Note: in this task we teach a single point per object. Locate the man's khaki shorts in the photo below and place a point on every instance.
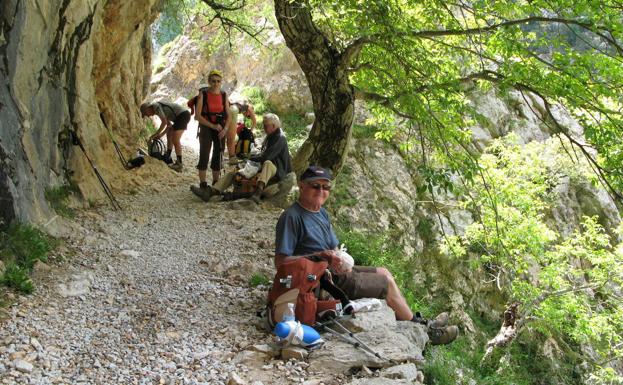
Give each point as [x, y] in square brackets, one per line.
[362, 282]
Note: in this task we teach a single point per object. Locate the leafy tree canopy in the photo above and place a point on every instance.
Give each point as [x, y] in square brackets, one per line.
[416, 60]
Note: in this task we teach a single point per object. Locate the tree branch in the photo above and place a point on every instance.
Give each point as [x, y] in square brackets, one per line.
[218, 6]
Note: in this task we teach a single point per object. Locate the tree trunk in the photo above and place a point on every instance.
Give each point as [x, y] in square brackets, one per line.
[333, 97]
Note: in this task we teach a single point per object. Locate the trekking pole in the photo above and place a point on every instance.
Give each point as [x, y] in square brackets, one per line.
[107, 190]
[124, 162]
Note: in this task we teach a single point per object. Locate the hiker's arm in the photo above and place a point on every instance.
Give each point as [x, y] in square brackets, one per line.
[271, 152]
[164, 125]
[223, 132]
[252, 117]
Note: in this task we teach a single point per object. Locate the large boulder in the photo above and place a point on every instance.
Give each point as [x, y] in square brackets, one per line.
[383, 342]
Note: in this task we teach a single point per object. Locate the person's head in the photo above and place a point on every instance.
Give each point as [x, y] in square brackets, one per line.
[314, 186]
[147, 110]
[215, 77]
[271, 123]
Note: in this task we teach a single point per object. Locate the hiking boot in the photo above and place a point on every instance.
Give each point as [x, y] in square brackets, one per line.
[443, 335]
[440, 321]
[257, 197]
[167, 159]
[179, 167]
[233, 161]
[202, 192]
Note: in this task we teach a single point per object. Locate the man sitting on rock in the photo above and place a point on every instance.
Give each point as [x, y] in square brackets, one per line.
[305, 229]
[274, 158]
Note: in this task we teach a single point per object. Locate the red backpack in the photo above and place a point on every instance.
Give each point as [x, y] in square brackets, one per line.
[299, 281]
[193, 101]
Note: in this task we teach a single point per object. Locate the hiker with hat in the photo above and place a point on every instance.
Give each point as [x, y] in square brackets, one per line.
[173, 122]
[211, 112]
[274, 159]
[305, 229]
[246, 109]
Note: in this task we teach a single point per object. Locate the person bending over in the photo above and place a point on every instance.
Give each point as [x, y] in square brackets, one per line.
[173, 121]
[305, 228]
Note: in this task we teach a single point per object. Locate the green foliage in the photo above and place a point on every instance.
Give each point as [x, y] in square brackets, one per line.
[567, 288]
[170, 24]
[17, 278]
[294, 126]
[522, 363]
[342, 194]
[21, 246]
[259, 280]
[58, 198]
[149, 129]
[420, 61]
[256, 96]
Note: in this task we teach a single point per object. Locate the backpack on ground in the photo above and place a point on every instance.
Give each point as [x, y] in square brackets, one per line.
[244, 187]
[299, 281]
[156, 149]
[246, 140]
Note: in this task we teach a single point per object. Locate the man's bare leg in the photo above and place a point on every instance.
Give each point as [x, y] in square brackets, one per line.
[394, 299]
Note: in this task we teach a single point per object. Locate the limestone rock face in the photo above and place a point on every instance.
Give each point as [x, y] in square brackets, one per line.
[63, 63]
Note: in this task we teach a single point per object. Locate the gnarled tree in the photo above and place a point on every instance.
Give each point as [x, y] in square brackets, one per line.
[415, 61]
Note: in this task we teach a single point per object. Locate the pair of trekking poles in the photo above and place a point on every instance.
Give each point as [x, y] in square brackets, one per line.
[349, 337]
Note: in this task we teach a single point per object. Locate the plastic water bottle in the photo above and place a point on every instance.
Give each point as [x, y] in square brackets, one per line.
[288, 315]
[297, 333]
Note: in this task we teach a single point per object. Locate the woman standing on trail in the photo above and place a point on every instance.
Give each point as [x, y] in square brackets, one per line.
[173, 121]
[211, 113]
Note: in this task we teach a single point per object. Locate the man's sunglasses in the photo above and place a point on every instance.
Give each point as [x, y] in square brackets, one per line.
[214, 81]
[318, 186]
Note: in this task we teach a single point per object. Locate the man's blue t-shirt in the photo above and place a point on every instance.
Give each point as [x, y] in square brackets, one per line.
[301, 232]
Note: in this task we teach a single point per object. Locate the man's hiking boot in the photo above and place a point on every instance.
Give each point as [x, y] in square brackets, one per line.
[257, 195]
[442, 335]
[233, 161]
[167, 159]
[179, 167]
[257, 198]
[202, 192]
[440, 321]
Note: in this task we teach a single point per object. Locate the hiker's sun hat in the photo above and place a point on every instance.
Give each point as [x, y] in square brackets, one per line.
[315, 173]
[215, 72]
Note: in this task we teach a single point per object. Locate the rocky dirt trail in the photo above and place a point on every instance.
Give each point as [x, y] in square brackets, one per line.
[157, 293]
[160, 293]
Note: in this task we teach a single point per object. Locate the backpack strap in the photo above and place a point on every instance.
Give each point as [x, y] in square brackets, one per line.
[327, 284]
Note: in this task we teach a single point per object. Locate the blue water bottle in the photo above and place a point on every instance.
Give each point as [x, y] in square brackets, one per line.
[294, 332]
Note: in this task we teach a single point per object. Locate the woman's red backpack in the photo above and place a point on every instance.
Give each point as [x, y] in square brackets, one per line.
[299, 281]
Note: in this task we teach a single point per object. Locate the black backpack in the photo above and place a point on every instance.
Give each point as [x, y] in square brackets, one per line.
[245, 140]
